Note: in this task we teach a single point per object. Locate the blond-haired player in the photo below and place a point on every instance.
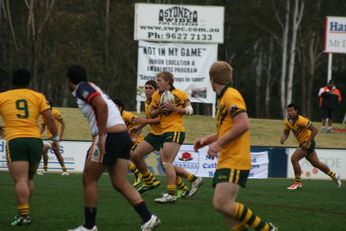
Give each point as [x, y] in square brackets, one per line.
[173, 134]
[232, 143]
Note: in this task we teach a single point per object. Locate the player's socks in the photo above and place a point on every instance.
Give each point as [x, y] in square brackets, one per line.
[134, 169]
[89, 215]
[239, 227]
[148, 177]
[63, 167]
[45, 168]
[180, 184]
[23, 210]
[246, 216]
[332, 175]
[191, 177]
[298, 179]
[171, 189]
[143, 211]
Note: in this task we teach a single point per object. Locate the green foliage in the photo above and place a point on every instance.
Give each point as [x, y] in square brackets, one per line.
[75, 32]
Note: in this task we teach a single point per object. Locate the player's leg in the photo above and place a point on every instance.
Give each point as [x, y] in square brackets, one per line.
[133, 168]
[313, 159]
[93, 169]
[167, 155]
[295, 158]
[150, 181]
[196, 182]
[324, 119]
[118, 176]
[23, 156]
[46, 147]
[116, 158]
[61, 160]
[224, 201]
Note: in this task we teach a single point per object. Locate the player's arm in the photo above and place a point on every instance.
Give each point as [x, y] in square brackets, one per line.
[313, 130]
[101, 113]
[142, 122]
[62, 128]
[50, 122]
[2, 131]
[200, 143]
[42, 128]
[284, 136]
[155, 112]
[241, 125]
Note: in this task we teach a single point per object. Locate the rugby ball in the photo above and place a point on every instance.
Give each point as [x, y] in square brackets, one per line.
[167, 96]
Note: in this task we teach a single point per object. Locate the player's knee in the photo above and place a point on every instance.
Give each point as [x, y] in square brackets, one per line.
[218, 204]
[165, 165]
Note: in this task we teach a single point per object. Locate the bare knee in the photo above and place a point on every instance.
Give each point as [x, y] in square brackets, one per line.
[219, 204]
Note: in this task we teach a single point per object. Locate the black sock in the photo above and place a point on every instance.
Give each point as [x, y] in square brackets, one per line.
[89, 216]
[143, 211]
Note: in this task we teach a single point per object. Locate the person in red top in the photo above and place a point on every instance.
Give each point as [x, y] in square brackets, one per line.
[330, 98]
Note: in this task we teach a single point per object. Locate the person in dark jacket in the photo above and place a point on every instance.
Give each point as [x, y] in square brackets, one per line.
[330, 98]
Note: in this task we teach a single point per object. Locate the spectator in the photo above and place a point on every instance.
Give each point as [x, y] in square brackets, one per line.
[330, 98]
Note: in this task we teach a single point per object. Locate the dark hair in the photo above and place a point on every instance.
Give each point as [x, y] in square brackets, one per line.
[49, 102]
[119, 103]
[21, 77]
[76, 74]
[152, 83]
[331, 81]
[292, 105]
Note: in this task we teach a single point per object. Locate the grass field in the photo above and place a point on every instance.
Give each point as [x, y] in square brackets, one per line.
[264, 132]
[57, 204]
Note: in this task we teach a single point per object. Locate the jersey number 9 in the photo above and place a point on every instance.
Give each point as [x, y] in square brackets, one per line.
[22, 105]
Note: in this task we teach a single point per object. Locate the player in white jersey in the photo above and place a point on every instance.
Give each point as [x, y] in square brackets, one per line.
[110, 150]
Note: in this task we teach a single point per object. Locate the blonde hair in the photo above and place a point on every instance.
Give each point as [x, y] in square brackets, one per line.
[167, 76]
[221, 73]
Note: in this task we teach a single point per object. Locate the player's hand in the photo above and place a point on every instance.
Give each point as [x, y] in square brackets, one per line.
[200, 143]
[169, 106]
[214, 149]
[135, 129]
[282, 140]
[305, 145]
[101, 144]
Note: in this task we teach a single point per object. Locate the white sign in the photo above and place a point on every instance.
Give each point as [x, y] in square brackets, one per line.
[189, 63]
[74, 153]
[202, 165]
[335, 159]
[335, 35]
[179, 23]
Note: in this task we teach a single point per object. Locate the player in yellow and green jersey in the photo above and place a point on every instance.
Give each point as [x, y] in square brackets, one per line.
[305, 132]
[231, 143]
[20, 109]
[59, 121]
[173, 134]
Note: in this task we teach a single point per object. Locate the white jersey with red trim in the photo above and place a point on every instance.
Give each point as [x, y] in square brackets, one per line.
[84, 93]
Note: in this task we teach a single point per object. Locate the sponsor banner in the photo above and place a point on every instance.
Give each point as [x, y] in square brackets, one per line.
[335, 159]
[335, 35]
[179, 23]
[74, 153]
[200, 164]
[189, 63]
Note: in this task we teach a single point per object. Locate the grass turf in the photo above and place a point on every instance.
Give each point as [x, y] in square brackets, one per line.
[57, 204]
